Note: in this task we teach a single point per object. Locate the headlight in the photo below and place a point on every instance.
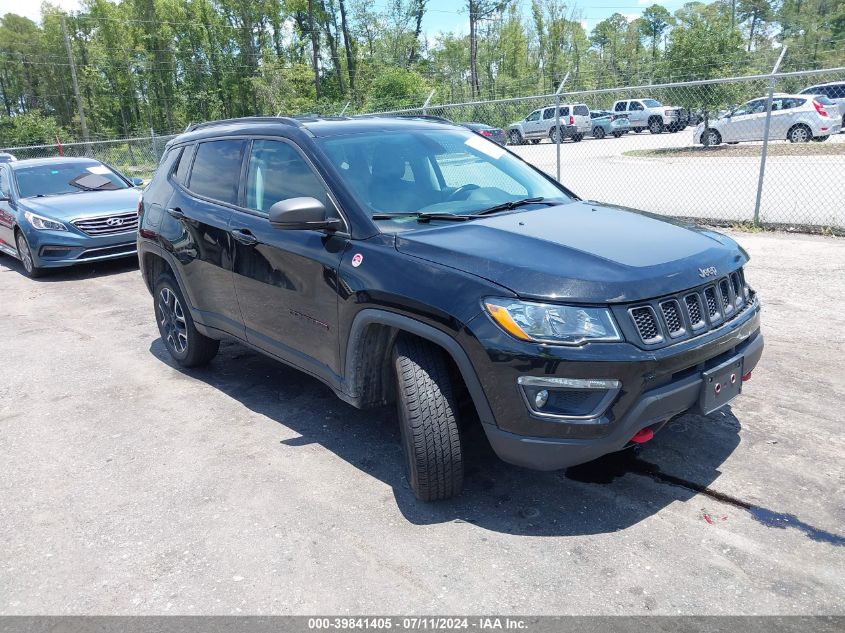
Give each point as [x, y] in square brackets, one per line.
[42, 223]
[559, 324]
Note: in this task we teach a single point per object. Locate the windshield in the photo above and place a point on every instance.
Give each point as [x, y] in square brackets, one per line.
[434, 171]
[60, 178]
[651, 103]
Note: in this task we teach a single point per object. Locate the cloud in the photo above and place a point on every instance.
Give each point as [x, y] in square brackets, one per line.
[643, 1]
[631, 16]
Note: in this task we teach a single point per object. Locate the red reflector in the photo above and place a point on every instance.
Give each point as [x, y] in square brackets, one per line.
[571, 120]
[746, 377]
[642, 436]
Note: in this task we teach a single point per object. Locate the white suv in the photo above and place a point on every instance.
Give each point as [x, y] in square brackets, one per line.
[652, 115]
[796, 118]
[574, 120]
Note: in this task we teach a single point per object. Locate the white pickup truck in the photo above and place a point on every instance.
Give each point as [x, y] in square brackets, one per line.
[652, 115]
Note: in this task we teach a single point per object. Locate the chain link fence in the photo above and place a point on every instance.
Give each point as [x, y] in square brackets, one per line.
[692, 150]
[133, 157]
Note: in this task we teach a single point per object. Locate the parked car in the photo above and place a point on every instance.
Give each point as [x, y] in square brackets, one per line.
[796, 118]
[5, 157]
[651, 115]
[495, 134]
[408, 261]
[835, 91]
[605, 123]
[574, 120]
[58, 212]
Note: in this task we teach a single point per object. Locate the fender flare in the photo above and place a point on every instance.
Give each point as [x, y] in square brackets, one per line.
[370, 316]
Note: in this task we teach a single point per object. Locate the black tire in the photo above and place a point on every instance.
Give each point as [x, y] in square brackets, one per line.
[577, 138]
[598, 132]
[516, 138]
[715, 137]
[25, 256]
[799, 134]
[553, 135]
[534, 141]
[618, 134]
[636, 130]
[186, 345]
[428, 420]
[820, 139]
[655, 126]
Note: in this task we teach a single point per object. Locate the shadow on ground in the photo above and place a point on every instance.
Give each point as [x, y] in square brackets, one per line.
[72, 273]
[607, 495]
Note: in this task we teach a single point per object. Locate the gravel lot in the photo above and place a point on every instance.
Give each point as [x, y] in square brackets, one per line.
[798, 189]
[132, 487]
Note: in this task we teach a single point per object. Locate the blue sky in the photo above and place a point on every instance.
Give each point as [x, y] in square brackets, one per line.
[442, 15]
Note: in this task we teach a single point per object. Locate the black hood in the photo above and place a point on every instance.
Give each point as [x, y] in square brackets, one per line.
[583, 251]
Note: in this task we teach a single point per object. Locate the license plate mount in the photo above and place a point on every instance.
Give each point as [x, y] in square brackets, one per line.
[720, 385]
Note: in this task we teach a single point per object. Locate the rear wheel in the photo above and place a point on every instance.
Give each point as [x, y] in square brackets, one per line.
[25, 255]
[799, 134]
[186, 344]
[428, 419]
[554, 135]
[598, 132]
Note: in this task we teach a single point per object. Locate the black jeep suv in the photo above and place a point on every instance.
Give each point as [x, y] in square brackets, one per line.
[415, 261]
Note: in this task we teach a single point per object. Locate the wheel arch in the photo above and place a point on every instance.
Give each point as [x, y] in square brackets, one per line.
[367, 375]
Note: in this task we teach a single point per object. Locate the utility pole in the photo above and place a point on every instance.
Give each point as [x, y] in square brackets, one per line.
[79, 108]
[314, 47]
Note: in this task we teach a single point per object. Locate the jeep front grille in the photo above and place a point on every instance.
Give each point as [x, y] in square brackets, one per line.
[687, 314]
[108, 224]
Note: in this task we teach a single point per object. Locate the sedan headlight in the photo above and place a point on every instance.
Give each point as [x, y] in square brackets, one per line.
[551, 323]
[42, 223]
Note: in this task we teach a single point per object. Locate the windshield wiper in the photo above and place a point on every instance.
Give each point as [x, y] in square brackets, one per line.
[421, 216]
[511, 205]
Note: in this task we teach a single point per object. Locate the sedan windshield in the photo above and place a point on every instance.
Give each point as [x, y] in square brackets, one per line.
[406, 179]
[61, 178]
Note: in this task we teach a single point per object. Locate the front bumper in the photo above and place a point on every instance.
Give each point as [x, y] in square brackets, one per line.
[656, 386]
[57, 249]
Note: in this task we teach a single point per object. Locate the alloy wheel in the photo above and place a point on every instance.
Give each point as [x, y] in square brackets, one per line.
[799, 134]
[25, 254]
[171, 318]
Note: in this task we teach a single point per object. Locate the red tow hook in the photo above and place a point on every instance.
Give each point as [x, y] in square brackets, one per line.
[642, 436]
[746, 377]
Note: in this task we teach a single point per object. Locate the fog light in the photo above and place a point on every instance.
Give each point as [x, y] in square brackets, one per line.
[541, 398]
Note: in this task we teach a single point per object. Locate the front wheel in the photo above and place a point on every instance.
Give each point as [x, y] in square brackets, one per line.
[598, 132]
[712, 137]
[515, 137]
[25, 255]
[186, 344]
[655, 126]
[428, 420]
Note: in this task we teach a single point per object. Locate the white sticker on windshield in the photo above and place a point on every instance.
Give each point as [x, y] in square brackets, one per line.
[485, 147]
[99, 169]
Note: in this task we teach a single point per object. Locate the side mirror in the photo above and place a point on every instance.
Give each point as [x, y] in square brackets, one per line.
[137, 181]
[299, 214]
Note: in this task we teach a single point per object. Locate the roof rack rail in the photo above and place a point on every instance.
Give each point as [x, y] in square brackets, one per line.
[428, 117]
[245, 119]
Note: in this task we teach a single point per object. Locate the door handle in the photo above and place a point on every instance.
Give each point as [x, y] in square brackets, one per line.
[176, 212]
[244, 237]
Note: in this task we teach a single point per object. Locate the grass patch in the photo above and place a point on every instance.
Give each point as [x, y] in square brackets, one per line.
[749, 151]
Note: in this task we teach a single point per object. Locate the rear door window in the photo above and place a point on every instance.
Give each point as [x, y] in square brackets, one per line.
[549, 113]
[621, 106]
[564, 111]
[217, 169]
[636, 105]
